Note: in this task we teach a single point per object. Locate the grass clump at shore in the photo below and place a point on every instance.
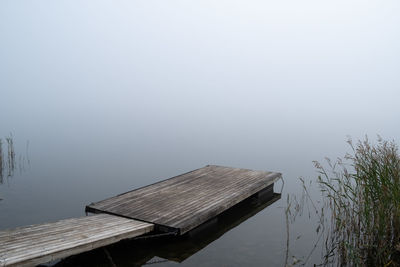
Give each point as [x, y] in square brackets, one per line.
[1, 161]
[363, 195]
[8, 163]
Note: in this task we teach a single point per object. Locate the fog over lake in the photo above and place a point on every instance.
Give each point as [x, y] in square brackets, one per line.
[107, 96]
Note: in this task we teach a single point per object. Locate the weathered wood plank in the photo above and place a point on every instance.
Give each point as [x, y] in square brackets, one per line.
[34, 244]
[185, 201]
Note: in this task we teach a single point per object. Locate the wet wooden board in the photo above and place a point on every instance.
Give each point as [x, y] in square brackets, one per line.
[185, 201]
[35, 244]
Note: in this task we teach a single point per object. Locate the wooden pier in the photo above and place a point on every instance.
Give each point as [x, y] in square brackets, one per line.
[35, 244]
[176, 248]
[176, 205]
[183, 202]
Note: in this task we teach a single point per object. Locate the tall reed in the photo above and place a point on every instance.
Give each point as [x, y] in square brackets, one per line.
[363, 194]
[1, 161]
[10, 156]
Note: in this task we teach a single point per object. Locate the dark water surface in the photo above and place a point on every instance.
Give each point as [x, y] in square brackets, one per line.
[102, 97]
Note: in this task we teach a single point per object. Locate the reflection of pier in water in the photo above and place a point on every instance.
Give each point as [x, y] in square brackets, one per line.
[178, 249]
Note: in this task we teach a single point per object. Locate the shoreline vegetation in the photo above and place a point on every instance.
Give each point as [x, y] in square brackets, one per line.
[9, 163]
[359, 214]
[7, 158]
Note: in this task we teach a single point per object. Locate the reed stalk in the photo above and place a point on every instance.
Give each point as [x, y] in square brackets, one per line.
[10, 156]
[1, 161]
[363, 194]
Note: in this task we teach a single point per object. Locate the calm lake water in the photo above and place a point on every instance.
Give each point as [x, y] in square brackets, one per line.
[102, 97]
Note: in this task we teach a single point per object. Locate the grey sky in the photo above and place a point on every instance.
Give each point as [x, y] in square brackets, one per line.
[299, 63]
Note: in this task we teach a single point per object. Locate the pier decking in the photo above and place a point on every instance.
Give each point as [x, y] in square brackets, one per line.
[35, 244]
[185, 201]
[176, 205]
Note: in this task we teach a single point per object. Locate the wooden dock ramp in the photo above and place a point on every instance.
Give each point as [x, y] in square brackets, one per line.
[183, 202]
[35, 244]
[176, 206]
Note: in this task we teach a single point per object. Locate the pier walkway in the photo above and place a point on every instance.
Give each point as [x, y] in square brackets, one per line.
[185, 201]
[175, 206]
[35, 244]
